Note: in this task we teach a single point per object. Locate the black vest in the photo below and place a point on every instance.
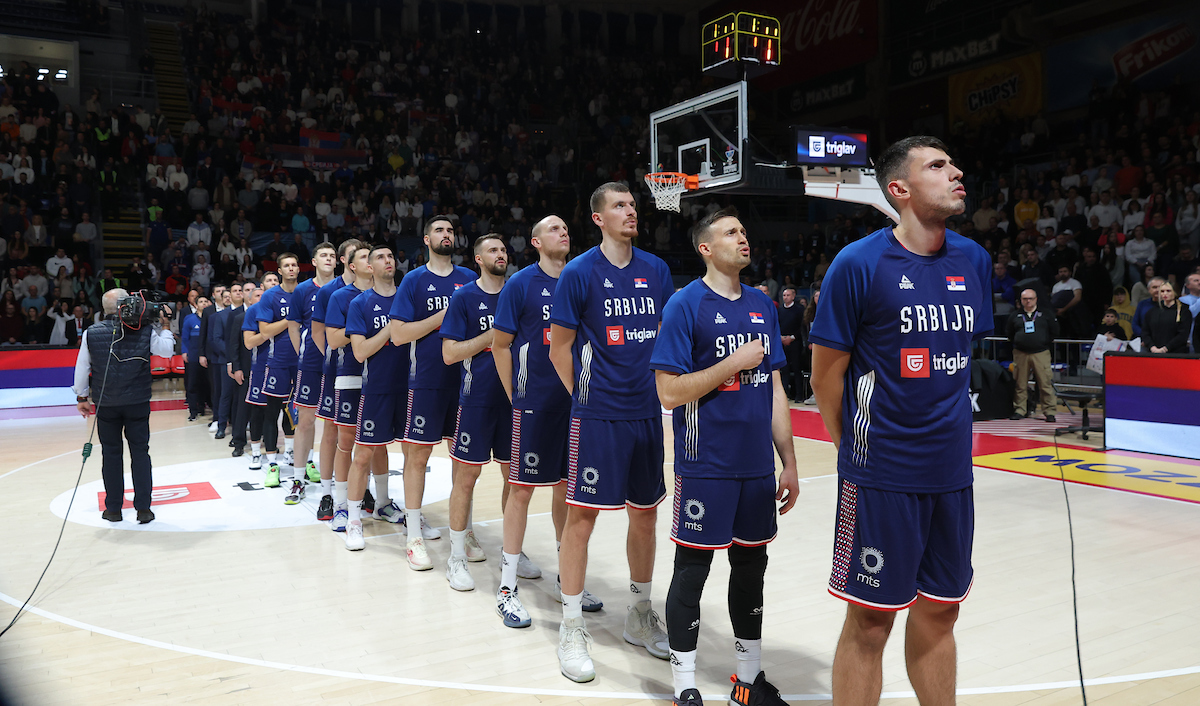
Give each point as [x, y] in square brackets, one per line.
[121, 377]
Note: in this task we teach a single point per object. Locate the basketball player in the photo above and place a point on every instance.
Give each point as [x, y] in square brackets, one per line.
[892, 338]
[541, 410]
[417, 313]
[307, 393]
[605, 317]
[281, 372]
[381, 411]
[482, 429]
[717, 362]
[347, 385]
[325, 411]
[260, 348]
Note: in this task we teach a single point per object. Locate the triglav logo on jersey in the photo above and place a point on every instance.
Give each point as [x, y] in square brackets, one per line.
[906, 283]
[615, 335]
[914, 362]
[640, 283]
[955, 283]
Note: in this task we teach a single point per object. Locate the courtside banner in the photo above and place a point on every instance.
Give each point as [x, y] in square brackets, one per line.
[37, 368]
[1006, 89]
[1152, 403]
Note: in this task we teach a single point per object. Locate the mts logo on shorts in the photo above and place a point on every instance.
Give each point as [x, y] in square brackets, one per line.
[914, 362]
[615, 335]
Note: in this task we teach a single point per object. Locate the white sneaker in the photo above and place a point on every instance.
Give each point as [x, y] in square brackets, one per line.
[526, 569]
[212, 428]
[256, 462]
[474, 551]
[643, 627]
[590, 603]
[354, 537]
[427, 532]
[389, 513]
[418, 558]
[340, 517]
[458, 575]
[573, 659]
[509, 607]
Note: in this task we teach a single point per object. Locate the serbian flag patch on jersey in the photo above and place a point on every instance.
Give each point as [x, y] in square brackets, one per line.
[956, 284]
[756, 318]
[640, 283]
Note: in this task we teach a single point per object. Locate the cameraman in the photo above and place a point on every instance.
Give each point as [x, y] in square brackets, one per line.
[117, 356]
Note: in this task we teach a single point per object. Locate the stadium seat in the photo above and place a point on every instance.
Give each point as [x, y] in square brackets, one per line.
[177, 364]
[159, 365]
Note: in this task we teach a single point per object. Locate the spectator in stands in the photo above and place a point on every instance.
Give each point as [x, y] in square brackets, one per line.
[202, 272]
[1003, 296]
[1124, 309]
[1035, 268]
[1182, 265]
[1145, 289]
[1067, 299]
[34, 299]
[12, 325]
[1061, 255]
[1105, 211]
[1110, 327]
[1026, 211]
[198, 231]
[1096, 282]
[1139, 252]
[300, 222]
[1167, 323]
[1144, 303]
[59, 261]
[1032, 332]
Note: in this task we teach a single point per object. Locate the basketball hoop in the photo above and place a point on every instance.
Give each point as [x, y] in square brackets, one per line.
[667, 187]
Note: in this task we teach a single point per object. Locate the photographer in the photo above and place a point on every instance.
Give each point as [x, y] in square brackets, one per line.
[116, 354]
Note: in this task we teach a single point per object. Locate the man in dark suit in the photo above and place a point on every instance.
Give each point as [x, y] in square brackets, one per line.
[76, 325]
[238, 366]
[213, 332]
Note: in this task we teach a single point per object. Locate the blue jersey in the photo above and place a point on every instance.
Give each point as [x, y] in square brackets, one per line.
[260, 354]
[189, 331]
[321, 305]
[423, 294]
[524, 312]
[472, 312]
[272, 307]
[727, 432]
[304, 301]
[383, 373]
[615, 314]
[908, 322]
[336, 317]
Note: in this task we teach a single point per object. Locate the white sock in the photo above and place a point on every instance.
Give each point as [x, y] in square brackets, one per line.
[458, 544]
[381, 490]
[508, 569]
[341, 489]
[640, 591]
[326, 486]
[288, 444]
[749, 659]
[355, 510]
[572, 606]
[256, 448]
[310, 455]
[683, 670]
[412, 522]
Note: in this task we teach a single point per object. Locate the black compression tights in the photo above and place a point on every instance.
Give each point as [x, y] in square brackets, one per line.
[748, 566]
[271, 423]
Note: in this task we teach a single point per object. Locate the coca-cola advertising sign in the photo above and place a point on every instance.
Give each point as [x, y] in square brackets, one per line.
[818, 36]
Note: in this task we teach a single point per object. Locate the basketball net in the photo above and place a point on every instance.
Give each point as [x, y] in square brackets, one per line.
[667, 187]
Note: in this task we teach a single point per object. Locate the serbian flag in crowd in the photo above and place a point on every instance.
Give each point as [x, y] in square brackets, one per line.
[324, 140]
[292, 157]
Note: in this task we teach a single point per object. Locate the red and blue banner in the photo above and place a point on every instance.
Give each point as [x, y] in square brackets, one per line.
[317, 138]
[37, 368]
[1152, 403]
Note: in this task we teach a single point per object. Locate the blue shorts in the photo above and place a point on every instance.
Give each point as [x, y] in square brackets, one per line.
[380, 419]
[346, 404]
[307, 391]
[615, 463]
[279, 381]
[430, 416]
[328, 376]
[713, 513]
[539, 447]
[891, 547]
[254, 390]
[481, 434]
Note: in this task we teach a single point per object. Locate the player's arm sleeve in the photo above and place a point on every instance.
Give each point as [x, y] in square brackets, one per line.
[569, 298]
[402, 303]
[985, 322]
[263, 312]
[321, 306]
[508, 307]
[840, 307]
[778, 358]
[673, 347]
[335, 318]
[454, 324]
[296, 313]
[356, 320]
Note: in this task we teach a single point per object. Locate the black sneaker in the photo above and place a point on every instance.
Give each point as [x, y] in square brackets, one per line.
[760, 693]
[1016, 417]
[368, 501]
[1050, 418]
[111, 515]
[689, 697]
[325, 509]
[238, 451]
[145, 517]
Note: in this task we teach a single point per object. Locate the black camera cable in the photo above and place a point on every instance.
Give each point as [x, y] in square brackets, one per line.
[1074, 591]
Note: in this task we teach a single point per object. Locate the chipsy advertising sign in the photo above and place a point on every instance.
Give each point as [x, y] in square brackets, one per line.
[1011, 88]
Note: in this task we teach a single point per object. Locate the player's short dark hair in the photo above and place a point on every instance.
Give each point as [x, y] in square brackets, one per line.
[323, 245]
[348, 246]
[702, 231]
[375, 247]
[285, 255]
[489, 236]
[435, 219]
[598, 196]
[893, 163]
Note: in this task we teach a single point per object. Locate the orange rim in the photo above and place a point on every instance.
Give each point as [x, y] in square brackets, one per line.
[691, 182]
